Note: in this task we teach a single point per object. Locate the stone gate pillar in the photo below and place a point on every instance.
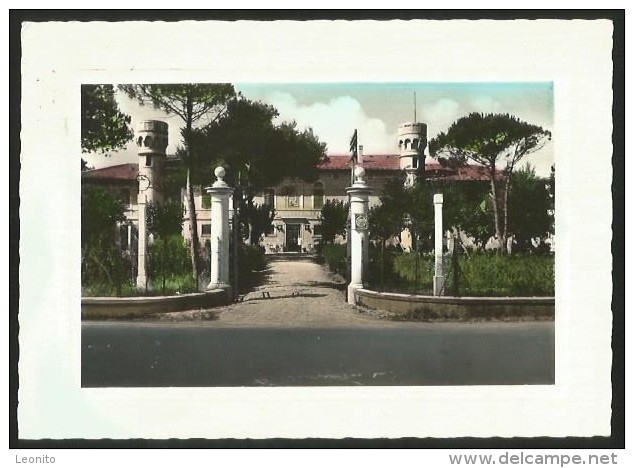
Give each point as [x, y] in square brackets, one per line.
[220, 193]
[358, 195]
[439, 278]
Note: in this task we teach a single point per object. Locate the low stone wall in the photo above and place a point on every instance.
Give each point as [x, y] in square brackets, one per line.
[128, 307]
[412, 307]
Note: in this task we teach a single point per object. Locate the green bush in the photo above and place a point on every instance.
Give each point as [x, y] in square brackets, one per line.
[105, 289]
[480, 274]
[416, 270]
[178, 284]
[335, 256]
[488, 274]
[252, 263]
[252, 258]
[103, 269]
[168, 259]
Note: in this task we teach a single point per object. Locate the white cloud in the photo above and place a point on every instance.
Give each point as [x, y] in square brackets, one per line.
[440, 114]
[334, 122]
[485, 105]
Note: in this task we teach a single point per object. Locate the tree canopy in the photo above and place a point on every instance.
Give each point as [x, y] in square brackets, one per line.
[531, 218]
[489, 140]
[498, 142]
[190, 102]
[103, 126]
[465, 209]
[254, 149]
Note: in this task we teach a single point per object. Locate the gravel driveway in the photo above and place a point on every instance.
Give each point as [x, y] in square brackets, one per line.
[296, 292]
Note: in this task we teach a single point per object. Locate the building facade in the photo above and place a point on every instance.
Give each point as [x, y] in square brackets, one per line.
[296, 226]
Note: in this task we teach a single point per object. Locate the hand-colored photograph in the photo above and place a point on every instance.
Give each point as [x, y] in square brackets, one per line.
[317, 234]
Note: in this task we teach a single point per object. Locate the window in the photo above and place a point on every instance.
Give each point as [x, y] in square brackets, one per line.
[206, 229]
[292, 199]
[318, 195]
[148, 161]
[206, 203]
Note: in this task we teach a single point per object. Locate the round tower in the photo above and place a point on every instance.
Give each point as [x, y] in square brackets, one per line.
[412, 141]
[151, 141]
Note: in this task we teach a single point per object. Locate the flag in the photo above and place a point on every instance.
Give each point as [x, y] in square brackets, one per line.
[353, 146]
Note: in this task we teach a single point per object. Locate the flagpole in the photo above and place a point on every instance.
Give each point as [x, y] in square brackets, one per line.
[353, 150]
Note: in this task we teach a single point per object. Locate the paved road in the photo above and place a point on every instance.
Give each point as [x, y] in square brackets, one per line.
[116, 354]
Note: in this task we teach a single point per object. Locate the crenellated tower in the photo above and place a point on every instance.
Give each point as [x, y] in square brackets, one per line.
[412, 141]
[151, 141]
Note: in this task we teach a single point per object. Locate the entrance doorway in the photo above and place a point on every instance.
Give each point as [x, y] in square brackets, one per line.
[293, 237]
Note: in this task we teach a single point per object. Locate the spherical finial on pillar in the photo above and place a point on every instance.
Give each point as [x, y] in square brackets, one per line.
[220, 173]
[359, 174]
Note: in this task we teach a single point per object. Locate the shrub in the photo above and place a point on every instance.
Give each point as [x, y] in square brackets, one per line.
[252, 262]
[336, 256]
[508, 275]
[168, 258]
[480, 274]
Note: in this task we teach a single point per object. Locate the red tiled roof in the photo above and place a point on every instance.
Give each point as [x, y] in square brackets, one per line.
[122, 172]
[383, 162]
[468, 172]
[390, 162]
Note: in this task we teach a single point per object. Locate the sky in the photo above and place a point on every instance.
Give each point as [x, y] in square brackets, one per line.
[335, 110]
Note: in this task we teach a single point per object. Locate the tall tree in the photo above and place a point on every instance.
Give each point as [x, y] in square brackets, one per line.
[195, 104]
[530, 218]
[103, 126]
[333, 218]
[491, 140]
[256, 220]
[256, 151]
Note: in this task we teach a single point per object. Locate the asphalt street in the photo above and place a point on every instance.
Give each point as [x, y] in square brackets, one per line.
[147, 354]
